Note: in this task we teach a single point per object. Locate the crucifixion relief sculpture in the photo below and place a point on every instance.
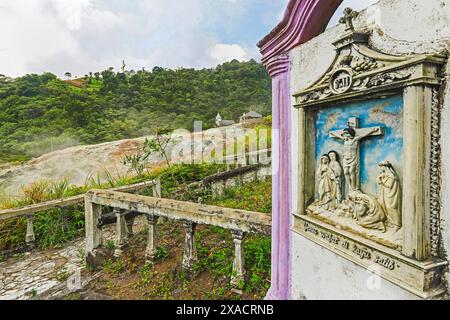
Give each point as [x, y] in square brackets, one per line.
[332, 179]
[352, 137]
[368, 161]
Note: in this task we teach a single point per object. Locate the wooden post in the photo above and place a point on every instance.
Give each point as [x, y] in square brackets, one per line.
[30, 237]
[189, 255]
[150, 252]
[237, 278]
[121, 232]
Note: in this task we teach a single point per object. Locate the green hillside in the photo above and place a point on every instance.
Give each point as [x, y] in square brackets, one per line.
[40, 113]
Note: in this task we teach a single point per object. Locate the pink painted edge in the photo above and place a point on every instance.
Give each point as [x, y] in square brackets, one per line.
[303, 20]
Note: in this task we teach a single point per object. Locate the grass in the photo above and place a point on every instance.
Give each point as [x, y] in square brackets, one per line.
[216, 259]
[214, 245]
[56, 227]
[161, 253]
[62, 275]
[213, 267]
[252, 197]
[130, 277]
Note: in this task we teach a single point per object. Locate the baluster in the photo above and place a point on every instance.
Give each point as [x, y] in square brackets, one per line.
[157, 188]
[121, 232]
[94, 239]
[189, 255]
[30, 238]
[64, 213]
[150, 252]
[130, 218]
[237, 278]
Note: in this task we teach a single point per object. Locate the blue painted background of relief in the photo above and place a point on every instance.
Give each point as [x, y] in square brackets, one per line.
[387, 113]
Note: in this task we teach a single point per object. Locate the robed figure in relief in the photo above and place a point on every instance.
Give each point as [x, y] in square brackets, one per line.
[390, 194]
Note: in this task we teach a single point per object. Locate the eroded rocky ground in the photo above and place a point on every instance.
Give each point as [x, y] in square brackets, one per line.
[28, 275]
[51, 274]
[79, 163]
[60, 274]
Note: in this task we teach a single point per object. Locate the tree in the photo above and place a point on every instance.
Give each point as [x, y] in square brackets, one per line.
[35, 107]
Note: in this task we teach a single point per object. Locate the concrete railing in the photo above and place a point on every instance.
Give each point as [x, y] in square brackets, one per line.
[261, 157]
[190, 214]
[30, 211]
[221, 181]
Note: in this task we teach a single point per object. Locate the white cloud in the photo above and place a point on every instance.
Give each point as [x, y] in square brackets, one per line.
[224, 52]
[82, 36]
[71, 12]
[48, 35]
[27, 31]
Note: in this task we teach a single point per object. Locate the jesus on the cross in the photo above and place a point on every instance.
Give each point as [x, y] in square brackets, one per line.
[352, 137]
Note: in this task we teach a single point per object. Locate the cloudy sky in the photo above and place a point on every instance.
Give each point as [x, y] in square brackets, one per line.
[80, 36]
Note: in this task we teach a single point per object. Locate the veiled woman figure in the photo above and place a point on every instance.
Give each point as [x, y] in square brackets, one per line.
[390, 195]
[325, 178]
[336, 192]
[369, 212]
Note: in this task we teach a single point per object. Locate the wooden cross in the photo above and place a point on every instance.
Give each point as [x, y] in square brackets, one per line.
[352, 143]
[347, 19]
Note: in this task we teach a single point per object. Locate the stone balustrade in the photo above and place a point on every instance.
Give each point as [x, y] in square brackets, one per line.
[190, 214]
[29, 212]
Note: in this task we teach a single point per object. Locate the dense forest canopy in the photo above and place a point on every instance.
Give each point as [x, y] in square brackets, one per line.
[40, 113]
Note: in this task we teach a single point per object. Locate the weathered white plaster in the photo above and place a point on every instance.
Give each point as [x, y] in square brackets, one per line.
[322, 275]
[398, 27]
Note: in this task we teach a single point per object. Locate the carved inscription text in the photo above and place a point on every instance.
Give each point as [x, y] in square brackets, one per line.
[350, 247]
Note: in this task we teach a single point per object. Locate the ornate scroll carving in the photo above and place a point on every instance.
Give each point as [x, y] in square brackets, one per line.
[316, 95]
[435, 174]
[389, 77]
[339, 85]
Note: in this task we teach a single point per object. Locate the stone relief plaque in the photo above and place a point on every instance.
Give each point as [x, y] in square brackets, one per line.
[368, 180]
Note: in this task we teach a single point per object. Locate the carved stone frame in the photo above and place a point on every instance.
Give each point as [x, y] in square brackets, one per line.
[418, 267]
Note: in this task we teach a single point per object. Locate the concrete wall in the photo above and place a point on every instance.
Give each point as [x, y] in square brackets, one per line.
[397, 27]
